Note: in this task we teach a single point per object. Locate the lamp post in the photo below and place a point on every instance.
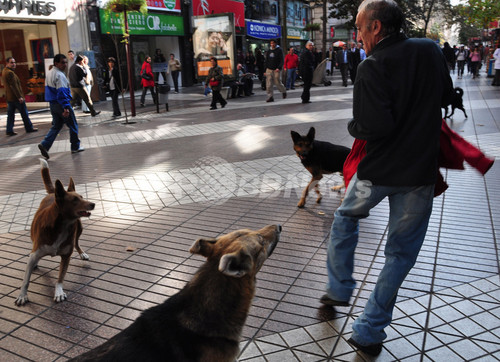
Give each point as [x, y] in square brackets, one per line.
[129, 66]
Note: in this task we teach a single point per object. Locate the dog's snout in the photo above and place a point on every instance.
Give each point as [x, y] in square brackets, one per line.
[279, 228]
[91, 206]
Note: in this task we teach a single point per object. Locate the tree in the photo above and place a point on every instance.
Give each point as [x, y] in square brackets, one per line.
[480, 13]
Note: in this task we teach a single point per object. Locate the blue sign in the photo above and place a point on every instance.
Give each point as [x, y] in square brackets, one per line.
[263, 31]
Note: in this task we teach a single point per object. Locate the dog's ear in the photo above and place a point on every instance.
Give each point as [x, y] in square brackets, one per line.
[203, 247]
[59, 191]
[311, 134]
[295, 136]
[236, 264]
[71, 186]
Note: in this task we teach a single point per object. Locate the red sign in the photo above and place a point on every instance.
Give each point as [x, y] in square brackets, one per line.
[332, 32]
[208, 7]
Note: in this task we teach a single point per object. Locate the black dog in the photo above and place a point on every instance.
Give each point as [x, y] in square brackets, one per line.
[456, 103]
[319, 158]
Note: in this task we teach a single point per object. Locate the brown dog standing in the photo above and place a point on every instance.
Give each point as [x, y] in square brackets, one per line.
[319, 158]
[203, 322]
[55, 230]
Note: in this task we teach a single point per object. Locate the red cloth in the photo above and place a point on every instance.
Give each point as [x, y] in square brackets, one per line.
[291, 61]
[453, 151]
[147, 83]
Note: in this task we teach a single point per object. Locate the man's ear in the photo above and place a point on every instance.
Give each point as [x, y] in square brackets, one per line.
[203, 247]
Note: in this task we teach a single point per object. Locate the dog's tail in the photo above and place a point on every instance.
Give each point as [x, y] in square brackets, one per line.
[47, 181]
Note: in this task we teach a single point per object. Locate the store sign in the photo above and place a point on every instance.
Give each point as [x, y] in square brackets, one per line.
[140, 24]
[31, 9]
[210, 7]
[164, 5]
[263, 31]
[297, 33]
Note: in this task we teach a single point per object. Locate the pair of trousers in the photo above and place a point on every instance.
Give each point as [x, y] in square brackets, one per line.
[410, 210]
[114, 101]
[217, 97]
[84, 95]
[11, 114]
[291, 75]
[307, 77]
[344, 69]
[58, 121]
[88, 88]
[460, 66]
[273, 77]
[143, 95]
[175, 79]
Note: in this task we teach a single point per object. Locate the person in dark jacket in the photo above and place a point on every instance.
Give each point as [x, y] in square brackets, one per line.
[398, 94]
[274, 64]
[215, 79]
[160, 58]
[77, 75]
[342, 62]
[306, 70]
[113, 84]
[354, 60]
[449, 55]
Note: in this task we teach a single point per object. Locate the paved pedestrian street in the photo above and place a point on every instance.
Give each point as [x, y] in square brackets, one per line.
[165, 179]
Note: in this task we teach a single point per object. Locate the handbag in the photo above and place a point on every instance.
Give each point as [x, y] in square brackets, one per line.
[214, 83]
[145, 75]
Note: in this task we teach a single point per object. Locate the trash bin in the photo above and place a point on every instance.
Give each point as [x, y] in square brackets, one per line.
[163, 90]
[490, 68]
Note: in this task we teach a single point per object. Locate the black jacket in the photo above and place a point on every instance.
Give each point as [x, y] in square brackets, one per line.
[306, 63]
[116, 78]
[398, 94]
[274, 59]
[76, 76]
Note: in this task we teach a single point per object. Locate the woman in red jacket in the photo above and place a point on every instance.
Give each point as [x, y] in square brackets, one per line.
[147, 80]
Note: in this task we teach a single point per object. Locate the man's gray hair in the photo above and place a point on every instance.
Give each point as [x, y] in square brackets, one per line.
[387, 12]
[309, 42]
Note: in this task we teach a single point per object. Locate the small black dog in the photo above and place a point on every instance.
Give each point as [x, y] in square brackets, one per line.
[456, 103]
[319, 158]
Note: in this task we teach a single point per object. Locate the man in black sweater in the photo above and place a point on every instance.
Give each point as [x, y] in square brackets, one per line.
[274, 64]
[306, 70]
[398, 94]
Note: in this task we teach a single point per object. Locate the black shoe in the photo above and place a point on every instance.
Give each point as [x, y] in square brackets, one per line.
[292, 88]
[86, 112]
[80, 149]
[326, 300]
[284, 95]
[142, 104]
[96, 113]
[371, 349]
[32, 130]
[306, 102]
[117, 114]
[43, 151]
[223, 105]
[271, 99]
[212, 108]
[11, 133]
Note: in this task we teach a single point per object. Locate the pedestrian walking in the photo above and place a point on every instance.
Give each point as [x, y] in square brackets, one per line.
[89, 82]
[215, 79]
[461, 55]
[175, 68]
[58, 94]
[342, 62]
[306, 70]
[15, 98]
[290, 66]
[260, 63]
[475, 61]
[402, 130]
[273, 65]
[354, 60]
[160, 58]
[113, 84]
[147, 80]
[496, 56]
[77, 77]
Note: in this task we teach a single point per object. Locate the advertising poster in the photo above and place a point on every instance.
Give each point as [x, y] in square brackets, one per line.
[213, 35]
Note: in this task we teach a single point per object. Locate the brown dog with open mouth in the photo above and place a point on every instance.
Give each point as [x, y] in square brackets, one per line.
[55, 230]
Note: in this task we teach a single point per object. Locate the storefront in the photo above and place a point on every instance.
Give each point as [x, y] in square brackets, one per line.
[32, 32]
[155, 30]
[259, 35]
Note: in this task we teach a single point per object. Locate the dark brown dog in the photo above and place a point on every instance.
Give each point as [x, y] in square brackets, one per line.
[55, 230]
[458, 102]
[319, 158]
[202, 322]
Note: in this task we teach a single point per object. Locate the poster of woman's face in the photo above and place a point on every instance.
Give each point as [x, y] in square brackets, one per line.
[41, 49]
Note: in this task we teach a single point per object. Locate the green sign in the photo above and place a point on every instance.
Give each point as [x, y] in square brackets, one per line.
[139, 24]
[297, 33]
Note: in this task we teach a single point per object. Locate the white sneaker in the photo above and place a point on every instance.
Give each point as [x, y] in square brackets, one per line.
[80, 149]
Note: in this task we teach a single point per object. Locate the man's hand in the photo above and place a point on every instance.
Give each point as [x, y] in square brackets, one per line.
[65, 113]
[21, 100]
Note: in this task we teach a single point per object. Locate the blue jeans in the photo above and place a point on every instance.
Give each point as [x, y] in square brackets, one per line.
[410, 210]
[291, 75]
[57, 123]
[11, 112]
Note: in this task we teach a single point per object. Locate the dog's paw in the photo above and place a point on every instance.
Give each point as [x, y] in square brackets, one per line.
[337, 188]
[59, 295]
[21, 300]
[84, 256]
[301, 203]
